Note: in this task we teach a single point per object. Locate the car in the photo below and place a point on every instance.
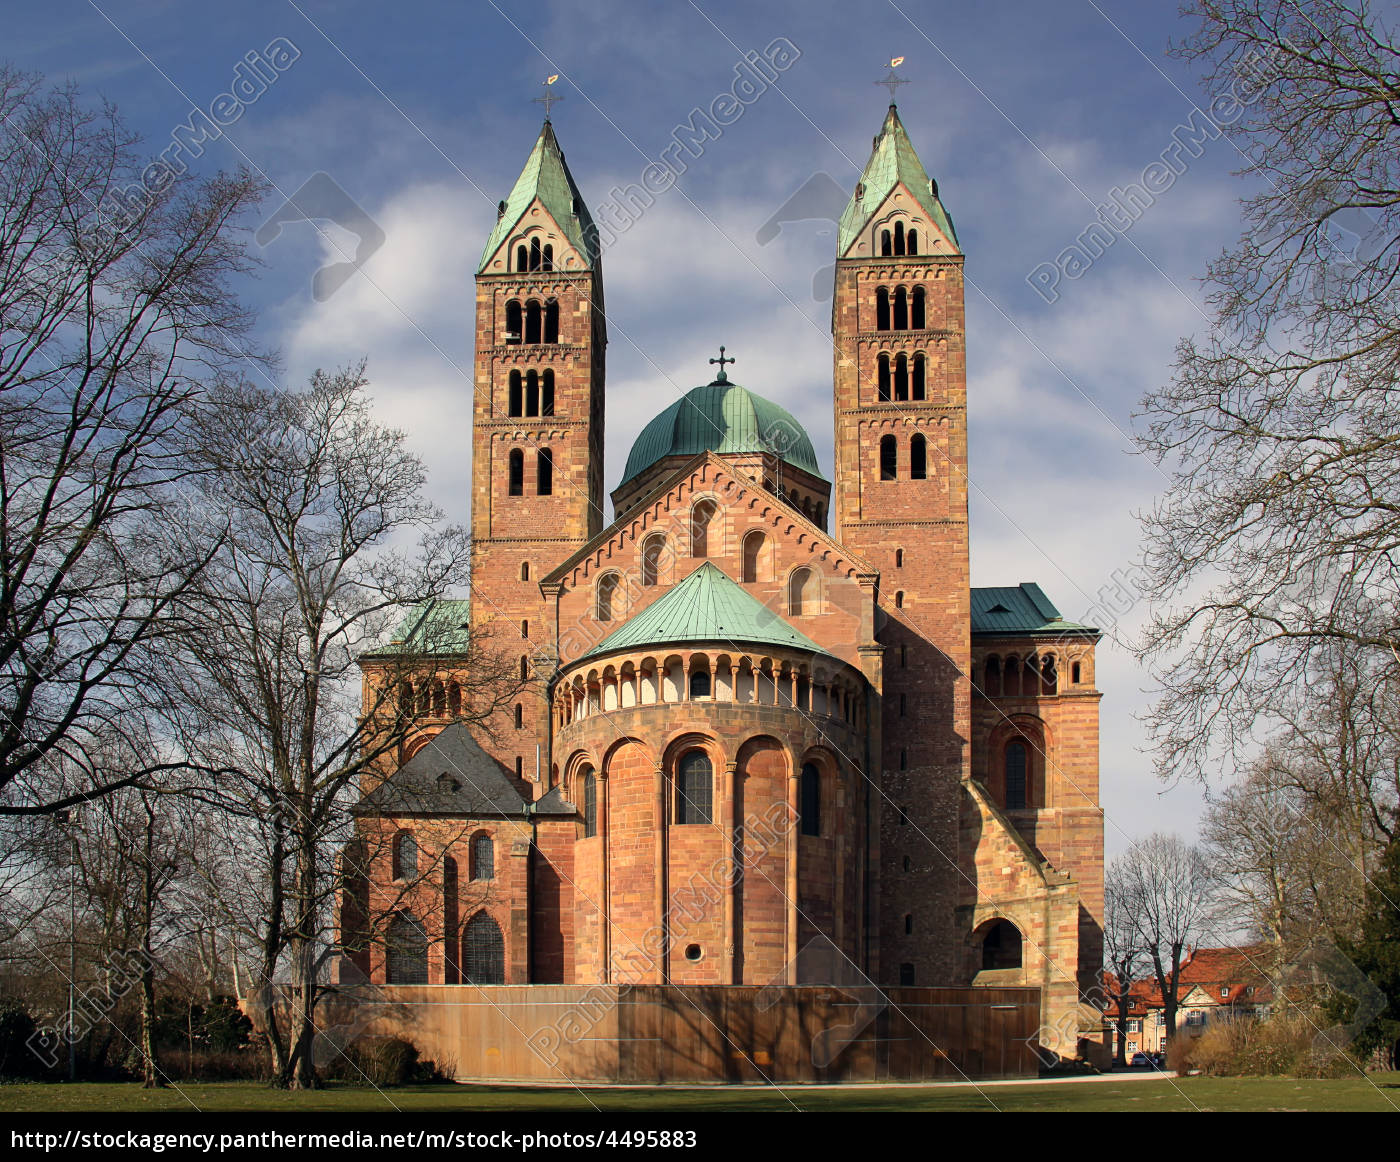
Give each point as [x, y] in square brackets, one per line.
[1141, 1061]
[1159, 1060]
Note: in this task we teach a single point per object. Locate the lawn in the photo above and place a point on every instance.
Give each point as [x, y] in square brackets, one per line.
[1379, 1092]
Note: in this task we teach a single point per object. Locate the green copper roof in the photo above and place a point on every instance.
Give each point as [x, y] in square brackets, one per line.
[546, 177]
[706, 607]
[435, 627]
[721, 417]
[892, 161]
[1020, 609]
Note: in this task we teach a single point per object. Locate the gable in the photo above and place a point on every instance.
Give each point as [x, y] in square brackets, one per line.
[837, 617]
[902, 204]
[534, 223]
[451, 775]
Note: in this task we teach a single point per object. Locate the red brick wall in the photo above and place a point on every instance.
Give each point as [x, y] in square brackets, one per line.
[924, 598]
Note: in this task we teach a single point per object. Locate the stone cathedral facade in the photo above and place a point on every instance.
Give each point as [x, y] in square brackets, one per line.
[763, 712]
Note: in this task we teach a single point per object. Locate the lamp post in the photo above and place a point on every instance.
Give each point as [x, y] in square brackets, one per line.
[69, 817]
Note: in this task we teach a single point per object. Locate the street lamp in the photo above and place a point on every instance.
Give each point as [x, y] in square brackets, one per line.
[69, 817]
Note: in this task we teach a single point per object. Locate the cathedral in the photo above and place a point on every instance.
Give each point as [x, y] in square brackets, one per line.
[761, 712]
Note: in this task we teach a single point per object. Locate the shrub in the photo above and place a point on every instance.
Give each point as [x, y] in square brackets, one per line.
[1279, 1046]
[17, 1026]
[384, 1062]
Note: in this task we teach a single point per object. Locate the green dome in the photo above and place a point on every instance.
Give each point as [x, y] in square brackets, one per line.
[721, 417]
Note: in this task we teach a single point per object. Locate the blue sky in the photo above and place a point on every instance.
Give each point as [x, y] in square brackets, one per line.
[1027, 114]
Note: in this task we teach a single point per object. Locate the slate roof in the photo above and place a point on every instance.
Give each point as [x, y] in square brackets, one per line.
[892, 161]
[475, 786]
[706, 607]
[546, 177]
[1019, 609]
[722, 417]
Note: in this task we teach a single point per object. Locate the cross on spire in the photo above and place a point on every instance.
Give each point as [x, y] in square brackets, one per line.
[548, 98]
[894, 80]
[721, 377]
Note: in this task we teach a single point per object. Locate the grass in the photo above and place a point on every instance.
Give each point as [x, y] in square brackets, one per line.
[1375, 1092]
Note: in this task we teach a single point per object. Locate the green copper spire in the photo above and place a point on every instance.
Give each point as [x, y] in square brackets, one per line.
[546, 177]
[892, 162]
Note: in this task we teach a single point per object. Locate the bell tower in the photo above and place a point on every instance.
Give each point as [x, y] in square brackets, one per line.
[901, 502]
[537, 426]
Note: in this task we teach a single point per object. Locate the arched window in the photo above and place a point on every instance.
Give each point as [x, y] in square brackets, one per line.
[408, 950]
[517, 472]
[699, 684]
[532, 393]
[651, 559]
[1074, 673]
[1030, 680]
[519, 715]
[551, 321]
[884, 364]
[899, 599]
[548, 263]
[522, 261]
[483, 857]
[701, 517]
[1011, 675]
[1016, 761]
[405, 856]
[439, 700]
[908, 923]
[801, 593]
[918, 458]
[533, 316]
[899, 237]
[1049, 678]
[919, 388]
[755, 557]
[590, 804]
[901, 309]
[810, 795]
[917, 323]
[606, 593]
[694, 784]
[991, 686]
[514, 327]
[882, 309]
[525, 628]
[901, 378]
[1001, 946]
[899, 558]
[516, 407]
[534, 254]
[911, 241]
[524, 667]
[524, 570]
[889, 457]
[547, 393]
[885, 249]
[451, 971]
[405, 701]
[544, 472]
[485, 952]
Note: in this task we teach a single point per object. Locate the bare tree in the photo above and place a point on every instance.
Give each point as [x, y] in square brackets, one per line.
[1166, 888]
[1276, 539]
[327, 541]
[1124, 953]
[114, 305]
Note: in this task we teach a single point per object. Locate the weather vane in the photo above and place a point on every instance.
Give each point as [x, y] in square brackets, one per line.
[721, 377]
[894, 80]
[549, 98]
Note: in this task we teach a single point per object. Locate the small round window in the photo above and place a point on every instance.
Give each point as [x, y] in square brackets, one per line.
[692, 952]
